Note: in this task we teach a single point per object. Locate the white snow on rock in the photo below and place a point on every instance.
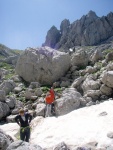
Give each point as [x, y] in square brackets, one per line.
[11, 129]
[76, 128]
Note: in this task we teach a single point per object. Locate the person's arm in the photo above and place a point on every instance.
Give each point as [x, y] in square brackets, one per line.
[17, 120]
[30, 117]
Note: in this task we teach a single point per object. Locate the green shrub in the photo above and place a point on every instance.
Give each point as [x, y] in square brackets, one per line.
[22, 99]
[1, 56]
[6, 66]
[107, 51]
[9, 76]
[58, 90]
[45, 89]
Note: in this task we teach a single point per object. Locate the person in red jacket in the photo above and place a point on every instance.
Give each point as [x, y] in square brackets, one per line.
[50, 98]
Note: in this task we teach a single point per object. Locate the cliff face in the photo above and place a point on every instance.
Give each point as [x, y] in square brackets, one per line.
[89, 30]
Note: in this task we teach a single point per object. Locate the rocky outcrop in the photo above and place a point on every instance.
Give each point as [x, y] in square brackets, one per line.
[8, 55]
[90, 84]
[81, 32]
[2, 96]
[21, 145]
[61, 146]
[108, 79]
[5, 140]
[79, 59]
[4, 110]
[106, 90]
[44, 65]
[52, 37]
[40, 110]
[69, 101]
[97, 55]
[7, 86]
[11, 59]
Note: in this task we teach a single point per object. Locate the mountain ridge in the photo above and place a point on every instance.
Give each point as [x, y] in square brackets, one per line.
[87, 31]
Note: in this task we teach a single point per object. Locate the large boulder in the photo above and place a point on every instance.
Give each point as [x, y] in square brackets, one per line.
[79, 59]
[4, 110]
[29, 93]
[107, 79]
[7, 86]
[90, 69]
[38, 92]
[21, 145]
[94, 94]
[109, 56]
[69, 101]
[5, 140]
[90, 84]
[11, 102]
[109, 67]
[77, 82]
[40, 110]
[2, 96]
[97, 55]
[106, 90]
[44, 65]
[11, 118]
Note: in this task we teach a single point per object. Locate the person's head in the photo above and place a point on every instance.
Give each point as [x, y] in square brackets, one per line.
[21, 112]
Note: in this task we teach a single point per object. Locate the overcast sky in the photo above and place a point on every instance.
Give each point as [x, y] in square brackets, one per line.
[24, 23]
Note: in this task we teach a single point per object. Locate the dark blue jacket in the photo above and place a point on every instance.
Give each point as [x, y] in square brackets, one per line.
[23, 123]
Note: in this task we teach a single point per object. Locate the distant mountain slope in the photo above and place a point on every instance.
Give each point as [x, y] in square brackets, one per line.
[5, 51]
[89, 30]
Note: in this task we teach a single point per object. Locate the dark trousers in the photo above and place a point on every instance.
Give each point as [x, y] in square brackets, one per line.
[25, 134]
[53, 109]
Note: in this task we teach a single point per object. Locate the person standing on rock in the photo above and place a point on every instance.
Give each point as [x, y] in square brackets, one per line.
[23, 120]
[50, 98]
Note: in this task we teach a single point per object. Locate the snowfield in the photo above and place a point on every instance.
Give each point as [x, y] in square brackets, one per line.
[75, 129]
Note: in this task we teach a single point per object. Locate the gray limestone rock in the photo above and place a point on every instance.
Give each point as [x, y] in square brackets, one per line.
[107, 78]
[40, 110]
[80, 59]
[90, 84]
[81, 32]
[69, 101]
[21, 145]
[7, 86]
[4, 110]
[43, 65]
[106, 90]
[2, 96]
[5, 140]
[61, 146]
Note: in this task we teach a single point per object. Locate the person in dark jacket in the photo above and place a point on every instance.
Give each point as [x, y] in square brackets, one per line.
[23, 120]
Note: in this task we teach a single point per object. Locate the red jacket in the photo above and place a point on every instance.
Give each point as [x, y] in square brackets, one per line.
[52, 93]
[50, 98]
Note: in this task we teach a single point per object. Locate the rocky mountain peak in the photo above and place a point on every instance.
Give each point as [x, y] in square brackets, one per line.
[64, 27]
[92, 14]
[87, 31]
[53, 36]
